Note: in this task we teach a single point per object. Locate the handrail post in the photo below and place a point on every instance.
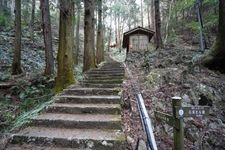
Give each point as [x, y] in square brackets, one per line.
[178, 129]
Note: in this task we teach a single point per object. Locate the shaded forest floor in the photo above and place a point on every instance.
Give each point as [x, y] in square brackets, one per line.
[170, 72]
[19, 94]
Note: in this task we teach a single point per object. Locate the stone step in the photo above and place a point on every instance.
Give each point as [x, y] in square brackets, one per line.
[81, 118]
[109, 69]
[115, 65]
[111, 62]
[34, 147]
[112, 67]
[106, 85]
[84, 108]
[96, 99]
[82, 121]
[116, 81]
[105, 72]
[71, 138]
[103, 77]
[90, 91]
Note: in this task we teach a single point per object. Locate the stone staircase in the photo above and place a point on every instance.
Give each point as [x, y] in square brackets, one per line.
[84, 116]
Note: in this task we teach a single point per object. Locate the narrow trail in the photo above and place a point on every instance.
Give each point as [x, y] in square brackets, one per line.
[84, 116]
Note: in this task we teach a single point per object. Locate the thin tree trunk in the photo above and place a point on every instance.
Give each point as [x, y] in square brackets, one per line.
[77, 40]
[65, 74]
[46, 24]
[32, 21]
[89, 35]
[159, 43]
[168, 21]
[129, 23]
[16, 65]
[100, 46]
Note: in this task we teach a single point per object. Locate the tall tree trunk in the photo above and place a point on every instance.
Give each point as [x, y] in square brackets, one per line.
[1, 7]
[116, 34]
[215, 59]
[16, 65]
[89, 35]
[12, 5]
[25, 12]
[100, 45]
[148, 12]
[142, 15]
[159, 43]
[46, 25]
[203, 43]
[65, 74]
[110, 33]
[153, 14]
[32, 21]
[77, 40]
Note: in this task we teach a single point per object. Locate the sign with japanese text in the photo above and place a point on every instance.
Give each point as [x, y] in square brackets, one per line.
[193, 111]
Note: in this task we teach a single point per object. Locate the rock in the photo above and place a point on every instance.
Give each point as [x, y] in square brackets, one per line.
[186, 100]
[192, 134]
[141, 145]
[215, 124]
[130, 140]
[209, 94]
[4, 140]
[222, 116]
[214, 140]
[105, 143]
[126, 104]
[193, 97]
[160, 106]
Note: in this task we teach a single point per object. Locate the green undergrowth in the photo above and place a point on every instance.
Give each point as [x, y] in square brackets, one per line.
[24, 100]
[14, 116]
[25, 117]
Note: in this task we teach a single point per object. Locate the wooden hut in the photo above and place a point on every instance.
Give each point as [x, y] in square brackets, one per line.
[137, 39]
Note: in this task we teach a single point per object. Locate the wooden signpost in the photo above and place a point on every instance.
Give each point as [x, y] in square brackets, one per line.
[176, 120]
[165, 118]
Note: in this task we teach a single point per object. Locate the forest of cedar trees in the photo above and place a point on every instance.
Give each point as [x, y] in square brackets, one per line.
[48, 45]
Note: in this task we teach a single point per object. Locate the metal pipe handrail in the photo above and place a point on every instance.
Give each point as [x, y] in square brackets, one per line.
[146, 121]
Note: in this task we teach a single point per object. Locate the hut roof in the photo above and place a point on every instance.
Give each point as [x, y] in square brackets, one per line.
[138, 30]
